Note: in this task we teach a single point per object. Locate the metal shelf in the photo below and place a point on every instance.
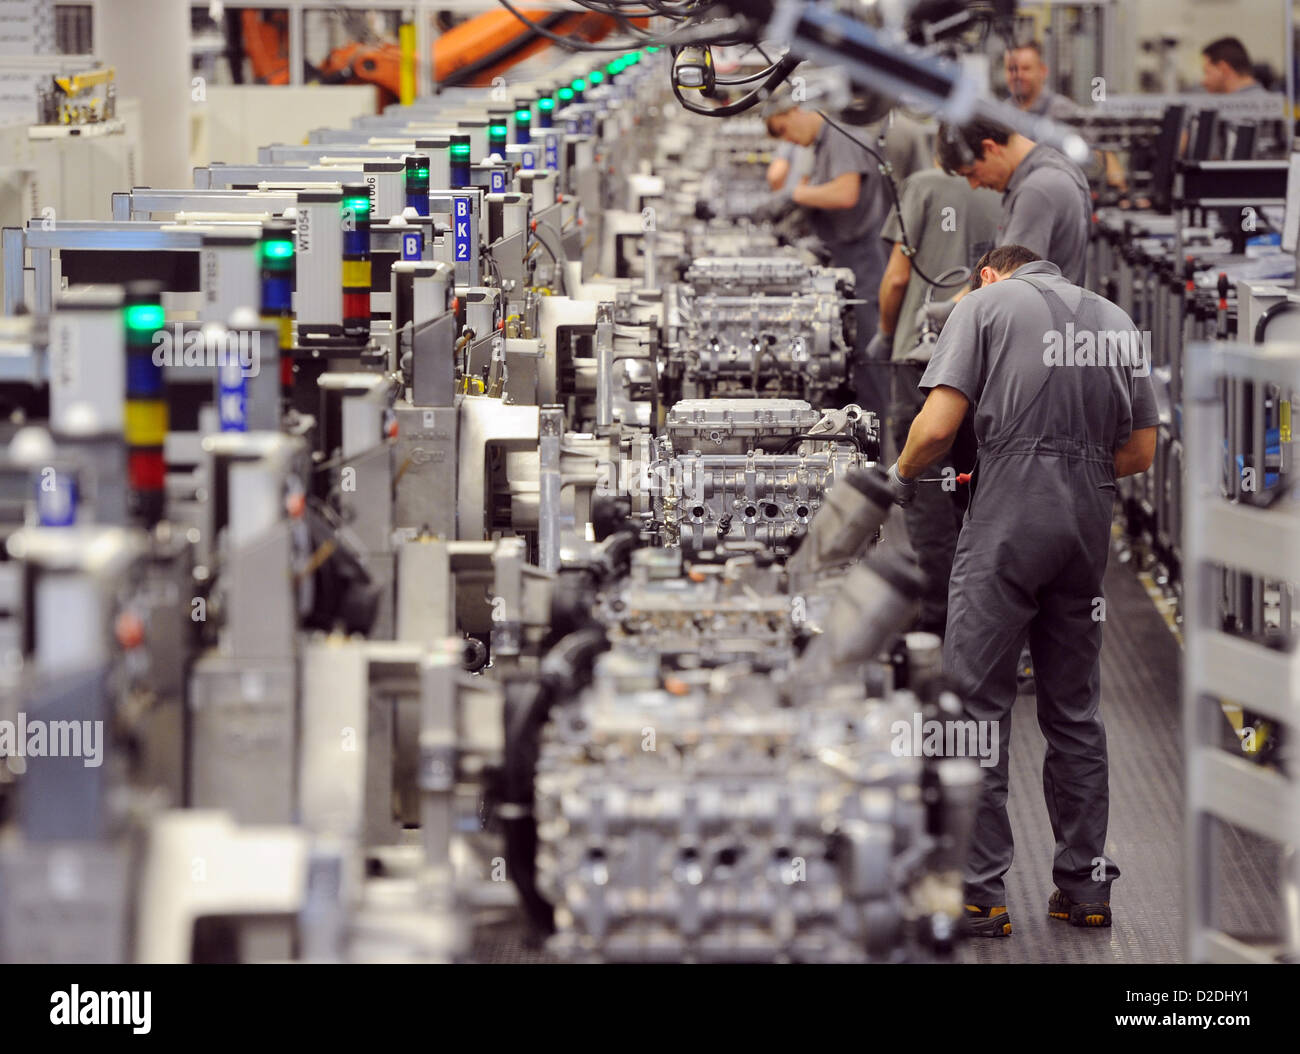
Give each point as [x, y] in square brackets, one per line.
[1265, 542]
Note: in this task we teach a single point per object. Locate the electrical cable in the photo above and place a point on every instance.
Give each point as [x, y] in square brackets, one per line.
[567, 42]
[574, 45]
[823, 437]
[783, 68]
[745, 80]
[561, 258]
[886, 170]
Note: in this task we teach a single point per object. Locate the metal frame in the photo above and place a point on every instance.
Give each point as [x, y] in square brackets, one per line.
[145, 201]
[1259, 541]
[110, 235]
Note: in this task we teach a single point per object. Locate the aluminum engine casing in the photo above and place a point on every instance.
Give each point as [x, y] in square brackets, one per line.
[705, 800]
[713, 478]
[768, 326]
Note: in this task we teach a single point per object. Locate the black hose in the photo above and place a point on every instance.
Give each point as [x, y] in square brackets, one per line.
[898, 204]
[618, 549]
[565, 671]
[1271, 312]
[830, 437]
[780, 71]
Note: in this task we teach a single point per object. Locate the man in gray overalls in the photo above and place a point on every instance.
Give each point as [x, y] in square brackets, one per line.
[1056, 426]
[845, 196]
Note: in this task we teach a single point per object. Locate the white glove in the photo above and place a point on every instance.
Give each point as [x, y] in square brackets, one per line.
[933, 315]
[773, 207]
[881, 347]
[904, 489]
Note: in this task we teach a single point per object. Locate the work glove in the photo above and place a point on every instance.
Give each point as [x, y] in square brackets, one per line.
[881, 347]
[933, 315]
[903, 489]
[773, 207]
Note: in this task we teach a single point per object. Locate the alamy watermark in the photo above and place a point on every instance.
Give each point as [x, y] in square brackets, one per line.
[53, 739]
[214, 347]
[921, 738]
[682, 479]
[75, 1007]
[1098, 347]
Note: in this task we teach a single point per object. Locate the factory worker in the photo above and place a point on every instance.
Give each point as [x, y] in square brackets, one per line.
[949, 225]
[1046, 203]
[847, 202]
[1027, 74]
[1056, 425]
[1226, 68]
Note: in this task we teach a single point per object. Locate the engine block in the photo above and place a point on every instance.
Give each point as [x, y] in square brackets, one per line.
[742, 469]
[766, 327]
[708, 798]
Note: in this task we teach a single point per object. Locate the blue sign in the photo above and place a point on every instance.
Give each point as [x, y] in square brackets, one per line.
[460, 216]
[56, 499]
[232, 396]
[498, 181]
[413, 246]
[553, 152]
[530, 160]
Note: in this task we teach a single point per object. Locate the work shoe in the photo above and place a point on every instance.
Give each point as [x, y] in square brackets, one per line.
[987, 922]
[1093, 913]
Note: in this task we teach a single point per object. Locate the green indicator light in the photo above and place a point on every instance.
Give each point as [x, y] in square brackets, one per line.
[548, 103]
[497, 131]
[422, 173]
[145, 316]
[277, 250]
[580, 85]
[632, 57]
[357, 204]
[566, 95]
[523, 115]
[596, 77]
[613, 68]
[652, 48]
[460, 149]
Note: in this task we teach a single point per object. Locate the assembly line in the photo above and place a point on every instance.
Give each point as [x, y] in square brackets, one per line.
[611, 507]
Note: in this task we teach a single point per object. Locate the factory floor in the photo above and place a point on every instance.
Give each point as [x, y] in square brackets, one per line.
[1141, 663]
[1140, 683]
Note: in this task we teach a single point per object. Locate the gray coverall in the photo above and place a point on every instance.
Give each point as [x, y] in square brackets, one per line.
[950, 225]
[1047, 207]
[852, 237]
[1032, 553]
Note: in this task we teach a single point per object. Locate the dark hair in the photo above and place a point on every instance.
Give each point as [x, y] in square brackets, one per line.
[1229, 50]
[1003, 259]
[960, 145]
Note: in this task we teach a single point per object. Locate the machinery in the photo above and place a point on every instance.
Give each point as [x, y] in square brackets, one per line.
[711, 766]
[474, 51]
[755, 470]
[402, 482]
[761, 326]
[461, 516]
